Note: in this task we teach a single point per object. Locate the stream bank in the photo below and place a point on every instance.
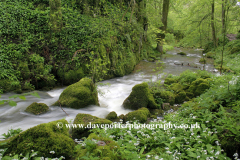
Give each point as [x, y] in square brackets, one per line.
[112, 97]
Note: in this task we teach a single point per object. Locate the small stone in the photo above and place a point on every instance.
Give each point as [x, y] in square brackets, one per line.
[101, 143]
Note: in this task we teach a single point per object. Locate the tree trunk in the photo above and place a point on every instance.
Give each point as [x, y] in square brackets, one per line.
[164, 27]
[165, 14]
[213, 27]
[223, 16]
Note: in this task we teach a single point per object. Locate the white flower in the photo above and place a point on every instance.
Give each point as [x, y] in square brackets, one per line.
[62, 157]
[217, 153]
[207, 121]
[235, 155]
[52, 152]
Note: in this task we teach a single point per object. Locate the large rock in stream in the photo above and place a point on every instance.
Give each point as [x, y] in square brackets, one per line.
[79, 95]
[37, 108]
[43, 138]
[140, 97]
[87, 121]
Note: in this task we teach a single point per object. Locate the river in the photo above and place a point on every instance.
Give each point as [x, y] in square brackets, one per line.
[112, 95]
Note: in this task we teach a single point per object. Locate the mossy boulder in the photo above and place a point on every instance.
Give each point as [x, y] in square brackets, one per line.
[199, 86]
[87, 121]
[166, 96]
[37, 108]
[150, 60]
[182, 53]
[141, 114]
[79, 95]
[43, 138]
[210, 55]
[101, 147]
[140, 97]
[180, 97]
[202, 60]
[169, 81]
[111, 116]
[176, 87]
[189, 95]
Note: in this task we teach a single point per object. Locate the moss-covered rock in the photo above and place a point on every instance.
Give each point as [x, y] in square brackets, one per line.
[157, 112]
[37, 108]
[111, 116]
[89, 122]
[79, 95]
[202, 60]
[141, 114]
[43, 138]
[122, 118]
[182, 53]
[101, 147]
[140, 97]
[180, 97]
[210, 55]
[166, 96]
[189, 95]
[169, 81]
[176, 87]
[199, 86]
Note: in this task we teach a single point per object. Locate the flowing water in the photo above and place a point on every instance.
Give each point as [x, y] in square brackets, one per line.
[111, 98]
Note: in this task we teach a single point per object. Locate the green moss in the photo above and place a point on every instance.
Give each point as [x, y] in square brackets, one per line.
[141, 114]
[37, 108]
[43, 138]
[8, 86]
[202, 60]
[182, 53]
[140, 97]
[85, 120]
[176, 87]
[199, 86]
[79, 95]
[166, 96]
[111, 116]
[105, 152]
[169, 81]
[189, 95]
[180, 97]
[73, 76]
[210, 55]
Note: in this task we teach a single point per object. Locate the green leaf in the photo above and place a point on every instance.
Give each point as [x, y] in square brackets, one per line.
[142, 150]
[12, 103]
[35, 94]
[1, 102]
[191, 154]
[14, 96]
[178, 145]
[22, 97]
